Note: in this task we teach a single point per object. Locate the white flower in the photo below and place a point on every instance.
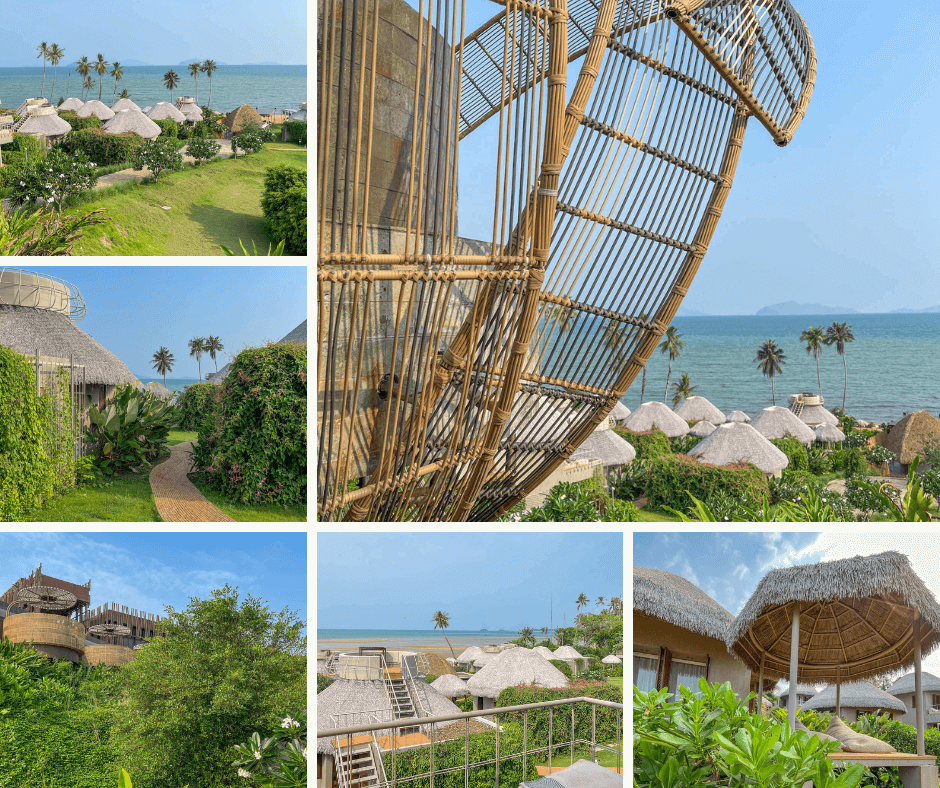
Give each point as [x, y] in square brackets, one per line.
[243, 773]
[288, 723]
[22, 184]
[257, 755]
[304, 751]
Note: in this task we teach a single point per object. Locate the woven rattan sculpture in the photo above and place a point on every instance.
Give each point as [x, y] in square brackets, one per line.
[455, 375]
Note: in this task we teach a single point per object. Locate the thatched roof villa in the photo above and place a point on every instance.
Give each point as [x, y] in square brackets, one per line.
[857, 698]
[297, 335]
[619, 412]
[803, 693]
[828, 433]
[451, 686]
[238, 118]
[74, 104]
[510, 669]
[544, 651]
[188, 106]
[163, 110]
[699, 409]
[656, 414]
[739, 415]
[97, 108]
[124, 103]
[903, 690]
[911, 435]
[607, 446]
[779, 422]
[733, 442]
[468, 656]
[570, 655]
[131, 119]
[702, 429]
[43, 121]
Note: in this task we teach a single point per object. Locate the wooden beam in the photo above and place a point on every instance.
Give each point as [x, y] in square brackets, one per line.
[794, 666]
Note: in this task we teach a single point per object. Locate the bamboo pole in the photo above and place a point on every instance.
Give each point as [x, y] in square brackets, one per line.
[794, 666]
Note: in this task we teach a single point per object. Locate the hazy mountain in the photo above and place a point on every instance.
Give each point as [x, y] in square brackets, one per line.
[905, 311]
[793, 308]
[684, 311]
[200, 60]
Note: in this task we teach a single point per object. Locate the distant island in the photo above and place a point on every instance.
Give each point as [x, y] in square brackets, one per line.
[905, 311]
[793, 308]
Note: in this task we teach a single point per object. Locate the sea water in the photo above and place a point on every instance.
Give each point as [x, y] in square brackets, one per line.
[173, 384]
[412, 639]
[265, 87]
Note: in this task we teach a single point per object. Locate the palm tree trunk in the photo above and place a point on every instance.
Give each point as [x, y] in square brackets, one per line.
[54, 71]
[209, 105]
[164, 378]
[43, 88]
[100, 86]
[68, 85]
[818, 379]
[666, 395]
[643, 386]
[773, 390]
[846, 388]
[451, 647]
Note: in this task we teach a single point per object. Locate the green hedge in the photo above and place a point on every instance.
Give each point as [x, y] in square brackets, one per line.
[670, 480]
[796, 453]
[563, 666]
[77, 123]
[195, 405]
[296, 131]
[284, 205]
[648, 445]
[25, 143]
[102, 148]
[168, 127]
[323, 682]
[903, 738]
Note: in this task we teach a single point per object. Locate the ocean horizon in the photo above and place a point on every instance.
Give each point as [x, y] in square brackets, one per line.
[417, 639]
[173, 384]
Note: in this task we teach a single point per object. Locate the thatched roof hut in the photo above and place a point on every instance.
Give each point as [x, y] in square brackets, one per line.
[699, 409]
[161, 391]
[740, 416]
[163, 110]
[735, 442]
[44, 121]
[779, 422]
[619, 412]
[439, 666]
[905, 684]
[132, 120]
[513, 668]
[806, 691]
[607, 446]
[817, 414]
[188, 106]
[702, 429]
[860, 696]
[610, 659]
[544, 651]
[238, 118]
[72, 104]
[912, 434]
[124, 103]
[567, 652]
[450, 685]
[97, 108]
[827, 433]
[656, 414]
[470, 655]
[675, 600]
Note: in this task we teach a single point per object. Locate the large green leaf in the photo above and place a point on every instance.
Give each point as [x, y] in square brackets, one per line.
[124, 781]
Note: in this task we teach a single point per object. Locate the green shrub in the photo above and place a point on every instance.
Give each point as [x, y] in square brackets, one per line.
[184, 131]
[684, 443]
[795, 451]
[859, 496]
[42, 232]
[158, 155]
[430, 677]
[296, 131]
[249, 140]
[195, 404]
[649, 445]
[323, 682]
[54, 179]
[25, 144]
[903, 738]
[616, 670]
[820, 462]
[168, 128]
[564, 667]
[629, 482]
[254, 445]
[284, 205]
[672, 479]
[78, 124]
[203, 149]
[102, 148]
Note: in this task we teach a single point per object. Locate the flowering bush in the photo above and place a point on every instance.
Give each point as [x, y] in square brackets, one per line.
[280, 759]
[54, 179]
[203, 149]
[158, 155]
[249, 140]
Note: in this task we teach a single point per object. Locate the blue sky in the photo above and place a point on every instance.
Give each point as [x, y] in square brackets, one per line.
[398, 580]
[163, 33]
[728, 566]
[149, 571]
[133, 310]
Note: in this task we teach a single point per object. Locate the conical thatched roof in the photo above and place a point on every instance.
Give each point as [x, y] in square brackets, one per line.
[739, 415]
[193, 116]
[856, 616]
[439, 666]
[300, 115]
[620, 411]
[544, 651]
[606, 446]
[298, 335]
[25, 328]
[855, 695]
[735, 442]
[96, 108]
[45, 121]
[912, 434]
[651, 414]
[161, 391]
[929, 683]
[124, 103]
[567, 652]
[512, 668]
[676, 601]
[610, 659]
[485, 658]
[817, 414]
[699, 409]
[450, 686]
[236, 120]
[826, 433]
[163, 110]
[132, 120]
[801, 689]
[470, 654]
[71, 104]
[779, 422]
[702, 429]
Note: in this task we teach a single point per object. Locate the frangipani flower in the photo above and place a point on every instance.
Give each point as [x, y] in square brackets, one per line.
[243, 773]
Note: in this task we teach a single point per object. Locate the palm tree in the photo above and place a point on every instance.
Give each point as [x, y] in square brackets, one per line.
[770, 360]
[616, 606]
[55, 56]
[209, 66]
[68, 84]
[194, 69]
[544, 631]
[171, 79]
[614, 337]
[562, 317]
[581, 601]
[814, 339]
[213, 346]
[101, 68]
[117, 72]
[83, 68]
[124, 94]
[43, 50]
[840, 334]
[525, 635]
[600, 601]
[197, 346]
[683, 389]
[672, 345]
[163, 362]
[442, 620]
[88, 84]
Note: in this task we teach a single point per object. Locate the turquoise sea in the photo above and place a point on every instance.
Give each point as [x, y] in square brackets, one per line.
[336, 639]
[173, 384]
[262, 87]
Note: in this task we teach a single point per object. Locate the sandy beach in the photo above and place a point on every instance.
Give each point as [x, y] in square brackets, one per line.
[440, 648]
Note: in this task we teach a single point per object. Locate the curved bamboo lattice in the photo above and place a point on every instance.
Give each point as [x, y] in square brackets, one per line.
[47, 599]
[503, 356]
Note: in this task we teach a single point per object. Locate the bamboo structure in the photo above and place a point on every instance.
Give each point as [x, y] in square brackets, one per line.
[108, 654]
[455, 375]
[55, 636]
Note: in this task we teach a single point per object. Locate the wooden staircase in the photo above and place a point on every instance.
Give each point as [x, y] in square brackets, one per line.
[360, 762]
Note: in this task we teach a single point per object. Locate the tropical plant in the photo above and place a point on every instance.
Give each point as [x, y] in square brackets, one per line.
[562, 317]
[581, 601]
[170, 80]
[43, 50]
[124, 94]
[88, 85]
[203, 149]
[280, 760]
[209, 67]
[672, 344]
[525, 635]
[840, 334]
[163, 362]
[118, 73]
[54, 179]
[910, 505]
[40, 232]
[55, 56]
[819, 461]
[83, 69]
[629, 482]
[814, 339]
[248, 140]
[442, 620]
[683, 389]
[159, 154]
[214, 345]
[277, 251]
[197, 346]
[101, 68]
[194, 69]
[284, 207]
[770, 360]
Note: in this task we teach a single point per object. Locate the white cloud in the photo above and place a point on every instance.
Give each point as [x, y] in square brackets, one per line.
[687, 572]
[740, 571]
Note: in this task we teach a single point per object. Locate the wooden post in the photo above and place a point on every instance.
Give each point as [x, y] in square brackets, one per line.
[794, 666]
[760, 686]
[918, 687]
[839, 691]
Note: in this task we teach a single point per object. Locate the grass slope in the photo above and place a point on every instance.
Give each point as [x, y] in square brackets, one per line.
[217, 203]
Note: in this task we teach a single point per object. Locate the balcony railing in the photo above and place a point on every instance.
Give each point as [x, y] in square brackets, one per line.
[555, 707]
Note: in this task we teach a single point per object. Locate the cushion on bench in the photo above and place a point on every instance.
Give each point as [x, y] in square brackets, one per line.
[856, 742]
[822, 736]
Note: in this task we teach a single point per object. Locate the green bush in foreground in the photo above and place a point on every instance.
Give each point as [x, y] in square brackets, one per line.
[41, 232]
[80, 124]
[672, 479]
[54, 179]
[564, 667]
[296, 131]
[284, 205]
[648, 445]
[195, 404]
[100, 147]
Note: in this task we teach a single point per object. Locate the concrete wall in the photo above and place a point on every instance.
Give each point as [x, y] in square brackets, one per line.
[650, 634]
[576, 471]
[907, 699]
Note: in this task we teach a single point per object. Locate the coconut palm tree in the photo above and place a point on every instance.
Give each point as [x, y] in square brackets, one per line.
[68, 84]
[124, 94]
[581, 601]
[117, 72]
[600, 601]
[672, 345]
[197, 346]
[683, 389]
[814, 339]
[616, 606]
[562, 315]
[770, 360]
[525, 635]
[615, 337]
[442, 620]
[55, 56]
[171, 79]
[43, 50]
[194, 69]
[163, 362]
[840, 334]
[213, 346]
[101, 68]
[88, 85]
[209, 67]
[83, 69]
[544, 631]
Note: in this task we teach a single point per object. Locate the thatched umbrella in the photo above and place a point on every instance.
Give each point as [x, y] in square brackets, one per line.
[238, 118]
[779, 422]
[610, 659]
[619, 412]
[826, 433]
[734, 442]
[860, 617]
[44, 121]
[544, 651]
[607, 446]
[72, 104]
[912, 434]
[858, 695]
[163, 110]
[132, 120]
[740, 416]
[805, 690]
[124, 103]
[676, 601]
[571, 656]
[817, 414]
[512, 668]
[699, 409]
[702, 429]
[97, 108]
[656, 414]
[450, 686]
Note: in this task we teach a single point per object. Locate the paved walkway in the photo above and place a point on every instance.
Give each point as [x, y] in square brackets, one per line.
[177, 499]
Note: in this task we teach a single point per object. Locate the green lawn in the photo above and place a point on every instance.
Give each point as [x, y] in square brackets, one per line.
[248, 514]
[217, 203]
[604, 757]
[127, 499]
[178, 436]
[648, 516]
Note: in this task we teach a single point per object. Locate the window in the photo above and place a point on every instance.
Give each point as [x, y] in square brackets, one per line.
[936, 701]
[644, 672]
[686, 674]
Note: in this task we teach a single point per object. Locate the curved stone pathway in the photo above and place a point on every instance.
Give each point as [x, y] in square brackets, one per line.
[177, 498]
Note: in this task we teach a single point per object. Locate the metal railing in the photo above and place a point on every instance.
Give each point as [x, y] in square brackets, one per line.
[547, 749]
[344, 765]
[42, 291]
[417, 688]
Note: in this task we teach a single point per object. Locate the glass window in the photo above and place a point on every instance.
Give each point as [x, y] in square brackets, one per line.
[685, 674]
[644, 672]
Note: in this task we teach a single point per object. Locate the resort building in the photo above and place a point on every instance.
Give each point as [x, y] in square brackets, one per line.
[803, 693]
[734, 442]
[512, 668]
[856, 698]
[809, 409]
[910, 436]
[903, 690]
[699, 409]
[779, 422]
